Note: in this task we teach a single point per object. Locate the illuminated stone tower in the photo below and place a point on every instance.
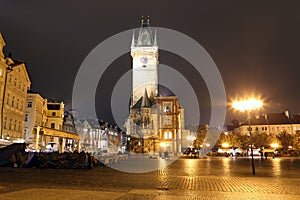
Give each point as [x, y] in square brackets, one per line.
[144, 52]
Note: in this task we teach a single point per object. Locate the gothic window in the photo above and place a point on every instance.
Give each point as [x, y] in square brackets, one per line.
[167, 135]
[167, 120]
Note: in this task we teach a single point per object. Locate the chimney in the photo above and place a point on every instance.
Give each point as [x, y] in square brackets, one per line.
[287, 113]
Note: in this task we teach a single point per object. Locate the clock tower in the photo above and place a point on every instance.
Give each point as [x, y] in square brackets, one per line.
[144, 52]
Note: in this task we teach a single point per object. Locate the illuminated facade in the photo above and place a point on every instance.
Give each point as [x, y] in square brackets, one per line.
[14, 85]
[155, 122]
[273, 123]
[35, 114]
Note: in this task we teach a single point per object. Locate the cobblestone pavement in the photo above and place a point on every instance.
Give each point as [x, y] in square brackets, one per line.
[210, 178]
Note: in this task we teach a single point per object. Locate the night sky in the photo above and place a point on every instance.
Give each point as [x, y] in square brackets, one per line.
[255, 45]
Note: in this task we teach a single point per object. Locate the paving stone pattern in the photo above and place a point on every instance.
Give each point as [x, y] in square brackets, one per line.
[186, 178]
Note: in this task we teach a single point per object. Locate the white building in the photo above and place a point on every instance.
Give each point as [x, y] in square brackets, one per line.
[273, 123]
[35, 114]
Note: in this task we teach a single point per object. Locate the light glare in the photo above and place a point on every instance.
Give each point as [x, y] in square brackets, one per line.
[247, 105]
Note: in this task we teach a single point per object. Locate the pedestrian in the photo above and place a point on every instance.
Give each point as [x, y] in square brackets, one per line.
[266, 155]
[160, 153]
[261, 154]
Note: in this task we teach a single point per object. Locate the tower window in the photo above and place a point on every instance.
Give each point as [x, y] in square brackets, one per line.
[167, 107]
[167, 135]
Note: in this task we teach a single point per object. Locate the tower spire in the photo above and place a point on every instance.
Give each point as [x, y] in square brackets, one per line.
[133, 39]
[155, 39]
[146, 101]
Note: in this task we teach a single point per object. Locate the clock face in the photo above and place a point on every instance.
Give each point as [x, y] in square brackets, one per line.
[144, 60]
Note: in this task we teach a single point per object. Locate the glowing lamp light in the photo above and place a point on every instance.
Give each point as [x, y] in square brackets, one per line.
[225, 145]
[247, 104]
[274, 145]
[162, 144]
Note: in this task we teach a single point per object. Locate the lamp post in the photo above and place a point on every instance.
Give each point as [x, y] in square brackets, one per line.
[248, 105]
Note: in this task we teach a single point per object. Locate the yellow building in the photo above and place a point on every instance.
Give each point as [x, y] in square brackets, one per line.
[3, 67]
[16, 82]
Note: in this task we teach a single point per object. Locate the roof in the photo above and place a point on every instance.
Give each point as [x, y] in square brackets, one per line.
[274, 118]
[259, 120]
[278, 118]
[138, 104]
[146, 103]
[93, 123]
[52, 106]
[146, 36]
[296, 119]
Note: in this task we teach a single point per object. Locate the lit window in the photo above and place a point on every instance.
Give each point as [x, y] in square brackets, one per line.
[167, 135]
[167, 107]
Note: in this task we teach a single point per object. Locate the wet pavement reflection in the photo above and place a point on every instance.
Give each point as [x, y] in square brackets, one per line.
[191, 178]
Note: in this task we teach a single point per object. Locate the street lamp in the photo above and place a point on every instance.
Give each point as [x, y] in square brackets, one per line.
[248, 105]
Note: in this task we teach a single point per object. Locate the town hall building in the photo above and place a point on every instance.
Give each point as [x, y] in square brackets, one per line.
[155, 122]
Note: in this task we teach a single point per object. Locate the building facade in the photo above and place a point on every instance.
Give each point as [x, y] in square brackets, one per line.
[35, 114]
[155, 122]
[273, 123]
[3, 67]
[14, 85]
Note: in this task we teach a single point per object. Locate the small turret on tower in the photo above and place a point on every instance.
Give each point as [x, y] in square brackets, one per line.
[146, 36]
[146, 103]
